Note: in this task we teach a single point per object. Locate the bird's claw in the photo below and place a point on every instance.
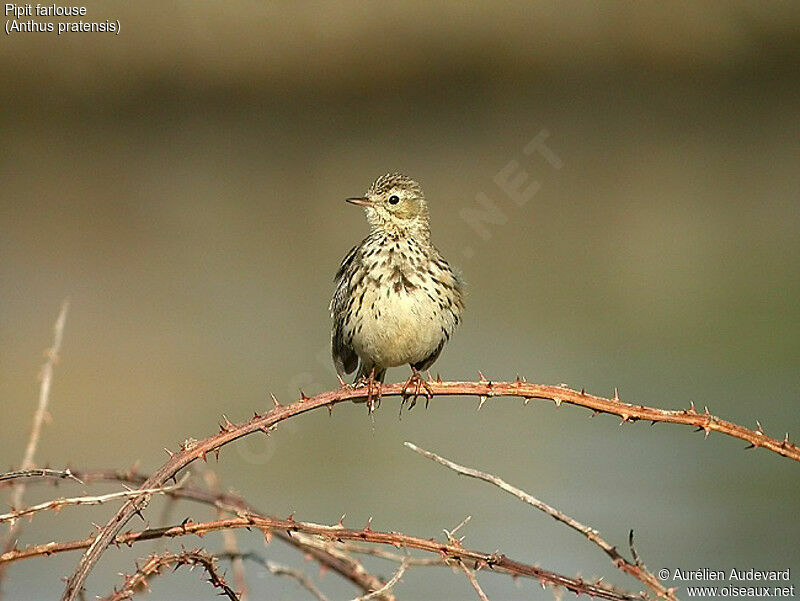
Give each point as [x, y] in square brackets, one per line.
[374, 391]
[418, 382]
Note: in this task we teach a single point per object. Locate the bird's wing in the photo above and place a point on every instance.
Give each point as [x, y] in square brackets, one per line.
[453, 284]
[344, 356]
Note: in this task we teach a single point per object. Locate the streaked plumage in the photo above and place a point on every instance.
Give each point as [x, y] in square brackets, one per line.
[397, 301]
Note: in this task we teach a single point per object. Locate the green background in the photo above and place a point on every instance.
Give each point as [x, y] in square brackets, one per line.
[182, 184]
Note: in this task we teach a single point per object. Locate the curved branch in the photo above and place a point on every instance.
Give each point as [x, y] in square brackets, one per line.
[484, 389]
[154, 564]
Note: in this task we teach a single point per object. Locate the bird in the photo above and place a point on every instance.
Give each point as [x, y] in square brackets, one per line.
[396, 300]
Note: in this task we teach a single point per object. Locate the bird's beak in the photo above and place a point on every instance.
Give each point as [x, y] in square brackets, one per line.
[361, 201]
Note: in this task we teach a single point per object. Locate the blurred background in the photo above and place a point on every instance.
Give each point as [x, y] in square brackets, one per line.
[182, 183]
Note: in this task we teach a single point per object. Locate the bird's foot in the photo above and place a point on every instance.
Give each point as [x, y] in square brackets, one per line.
[374, 390]
[418, 384]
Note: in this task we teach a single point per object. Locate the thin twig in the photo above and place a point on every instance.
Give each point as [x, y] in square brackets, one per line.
[44, 392]
[153, 565]
[473, 581]
[39, 417]
[40, 473]
[635, 568]
[57, 504]
[278, 570]
[484, 389]
[478, 560]
[386, 587]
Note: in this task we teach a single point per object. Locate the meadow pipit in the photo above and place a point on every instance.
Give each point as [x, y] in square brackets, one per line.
[397, 300]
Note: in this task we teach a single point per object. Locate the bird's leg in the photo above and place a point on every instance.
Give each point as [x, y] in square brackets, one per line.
[342, 383]
[374, 390]
[418, 382]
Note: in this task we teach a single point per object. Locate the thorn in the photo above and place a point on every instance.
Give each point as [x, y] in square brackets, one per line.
[170, 453]
[216, 453]
[705, 412]
[785, 442]
[526, 400]
[303, 396]
[692, 410]
[583, 392]
[616, 394]
[330, 409]
[482, 379]
[557, 401]
[291, 517]
[267, 536]
[483, 399]
[750, 446]
[368, 527]
[624, 419]
[517, 380]
[595, 413]
[275, 400]
[227, 425]
[340, 523]
[759, 429]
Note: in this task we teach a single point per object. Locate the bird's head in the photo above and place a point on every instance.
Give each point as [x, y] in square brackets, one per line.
[395, 203]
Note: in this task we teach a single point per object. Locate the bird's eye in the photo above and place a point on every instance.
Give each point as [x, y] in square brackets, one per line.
[394, 199]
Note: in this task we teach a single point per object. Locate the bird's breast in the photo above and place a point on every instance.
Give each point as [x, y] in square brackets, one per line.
[401, 315]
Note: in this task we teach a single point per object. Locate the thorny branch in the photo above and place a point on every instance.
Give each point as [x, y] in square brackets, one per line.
[229, 540]
[484, 389]
[324, 552]
[450, 552]
[155, 563]
[634, 568]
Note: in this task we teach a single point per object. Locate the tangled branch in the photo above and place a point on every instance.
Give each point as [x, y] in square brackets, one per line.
[484, 389]
[451, 552]
[155, 563]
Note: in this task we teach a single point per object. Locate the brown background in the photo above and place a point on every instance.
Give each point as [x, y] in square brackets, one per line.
[182, 183]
